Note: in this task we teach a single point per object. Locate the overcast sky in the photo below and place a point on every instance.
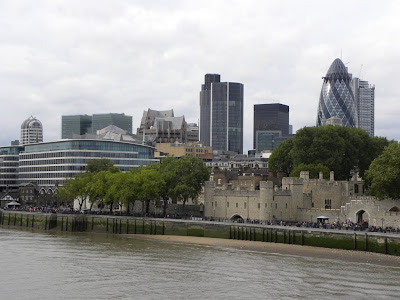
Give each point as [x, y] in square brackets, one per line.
[91, 56]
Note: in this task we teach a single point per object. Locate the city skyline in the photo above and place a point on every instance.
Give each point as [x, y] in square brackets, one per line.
[128, 57]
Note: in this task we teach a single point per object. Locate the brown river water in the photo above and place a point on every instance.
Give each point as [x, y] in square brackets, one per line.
[38, 265]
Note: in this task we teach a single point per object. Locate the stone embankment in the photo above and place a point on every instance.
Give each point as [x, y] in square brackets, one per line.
[336, 239]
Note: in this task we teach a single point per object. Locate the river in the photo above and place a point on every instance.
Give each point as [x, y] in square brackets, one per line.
[38, 265]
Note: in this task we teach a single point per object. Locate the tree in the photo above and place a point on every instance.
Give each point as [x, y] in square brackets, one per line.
[280, 160]
[98, 165]
[149, 183]
[383, 175]
[344, 150]
[313, 169]
[191, 174]
[77, 188]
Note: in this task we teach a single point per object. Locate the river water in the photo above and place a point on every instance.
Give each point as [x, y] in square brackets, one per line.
[37, 265]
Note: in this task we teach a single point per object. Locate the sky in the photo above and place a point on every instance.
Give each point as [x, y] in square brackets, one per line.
[124, 56]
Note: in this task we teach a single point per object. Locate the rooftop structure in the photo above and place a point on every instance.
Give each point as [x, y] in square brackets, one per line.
[31, 131]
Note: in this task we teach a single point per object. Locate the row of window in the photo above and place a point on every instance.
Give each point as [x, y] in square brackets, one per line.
[81, 161]
[91, 154]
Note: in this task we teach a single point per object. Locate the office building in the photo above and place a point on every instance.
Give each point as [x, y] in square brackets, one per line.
[164, 127]
[337, 97]
[50, 164]
[221, 114]
[100, 121]
[80, 124]
[9, 157]
[75, 124]
[31, 131]
[364, 95]
[273, 117]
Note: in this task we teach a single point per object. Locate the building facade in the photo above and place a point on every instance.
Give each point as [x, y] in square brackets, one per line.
[180, 149]
[270, 117]
[164, 127]
[221, 114]
[81, 124]
[75, 124]
[337, 97]
[364, 94]
[49, 165]
[9, 164]
[31, 131]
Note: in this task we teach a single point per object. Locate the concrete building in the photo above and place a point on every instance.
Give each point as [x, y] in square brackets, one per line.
[337, 97]
[31, 131]
[221, 114]
[364, 95]
[180, 149]
[81, 124]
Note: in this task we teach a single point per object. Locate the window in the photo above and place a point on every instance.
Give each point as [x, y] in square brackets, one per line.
[245, 205]
[237, 204]
[227, 204]
[259, 205]
[215, 203]
[328, 204]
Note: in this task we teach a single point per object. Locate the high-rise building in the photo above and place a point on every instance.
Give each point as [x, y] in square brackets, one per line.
[82, 124]
[364, 94]
[337, 97]
[100, 121]
[221, 114]
[75, 125]
[270, 117]
[31, 131]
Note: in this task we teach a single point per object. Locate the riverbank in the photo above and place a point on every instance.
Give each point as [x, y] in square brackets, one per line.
[281, 249]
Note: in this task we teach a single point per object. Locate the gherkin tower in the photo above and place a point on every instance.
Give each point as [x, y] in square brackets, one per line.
[337, 97]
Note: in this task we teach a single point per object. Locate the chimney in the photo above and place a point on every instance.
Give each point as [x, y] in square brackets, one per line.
[305, 175]
[321, 175]
[332, 176]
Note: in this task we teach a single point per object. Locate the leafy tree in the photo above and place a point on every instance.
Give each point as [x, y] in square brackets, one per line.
[191, 174]
[343, 150]
[280, 160]
[77, 188]
[125, 189]
[383, 175]
[313, 169]
[98, 165]
[149, 183]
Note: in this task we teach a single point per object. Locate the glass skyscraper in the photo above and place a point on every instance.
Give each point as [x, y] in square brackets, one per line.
[364, 94]
[270, 117]
[337, 97]
[221, 114]
[76, 124]
[81, 124]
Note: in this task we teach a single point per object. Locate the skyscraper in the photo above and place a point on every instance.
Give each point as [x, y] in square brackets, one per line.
[270, 117]
[337, 97]
[31, 131]
[76, 124]
[364, 94]
[221, 114]
[81, 124]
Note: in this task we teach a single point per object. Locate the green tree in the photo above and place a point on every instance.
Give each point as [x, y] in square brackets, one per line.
[313, 169]
[343, 150]
[149, 184]
[383, 175]
[280, 159]
[98, 165]
[191, 175]
[77, 188]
